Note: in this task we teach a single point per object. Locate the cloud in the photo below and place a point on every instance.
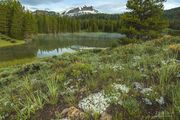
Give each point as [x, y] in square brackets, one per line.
[106, 6]
[38, 2]
[112, 7]
[172, 4]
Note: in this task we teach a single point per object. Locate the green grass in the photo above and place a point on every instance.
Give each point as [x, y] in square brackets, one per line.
[57, 82]
[53, 91]
[4, 43]
[16, 62]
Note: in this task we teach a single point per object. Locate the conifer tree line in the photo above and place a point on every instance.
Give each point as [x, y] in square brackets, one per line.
[19, 23]
[142, 21]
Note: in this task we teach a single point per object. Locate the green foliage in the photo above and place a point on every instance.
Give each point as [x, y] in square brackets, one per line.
[125, 41]
[14, 20]
[19, 23]
[62, 81]
[173, 15]
[30, 105]
[167, 74]
[132, 106]
[3, 18]
[53, 91]
[174, 32]
[71, 99]
[80, 70]
[176, 96]
[144, 21]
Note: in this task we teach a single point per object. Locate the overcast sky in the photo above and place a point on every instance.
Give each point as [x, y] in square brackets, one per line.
[106, 6]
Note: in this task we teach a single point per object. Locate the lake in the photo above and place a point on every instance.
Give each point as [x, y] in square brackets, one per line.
[51, 45]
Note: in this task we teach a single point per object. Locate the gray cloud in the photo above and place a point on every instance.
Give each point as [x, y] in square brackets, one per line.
[112, 7]
[105, 6]
[38, 2]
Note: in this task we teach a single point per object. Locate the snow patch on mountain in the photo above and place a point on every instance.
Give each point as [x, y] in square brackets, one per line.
[76, 11]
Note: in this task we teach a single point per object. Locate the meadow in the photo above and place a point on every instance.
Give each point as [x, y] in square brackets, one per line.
[134, 81]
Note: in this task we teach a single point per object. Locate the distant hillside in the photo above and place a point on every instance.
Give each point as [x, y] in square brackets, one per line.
[45, 12]
[89, 14]
[173, 15]
[99, 16]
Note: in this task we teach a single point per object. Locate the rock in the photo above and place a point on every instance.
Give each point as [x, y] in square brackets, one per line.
[122, 88]
[160, 101]
[105, 116]
[65, 119]
[146, 91]
[178, 76]
[137, 58]
[147, 101]
[138, 86]
[82, 90]
[73, 114]
[64, 112]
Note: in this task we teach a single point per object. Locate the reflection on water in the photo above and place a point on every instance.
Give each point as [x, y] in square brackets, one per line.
[58, 51]
[50, 45]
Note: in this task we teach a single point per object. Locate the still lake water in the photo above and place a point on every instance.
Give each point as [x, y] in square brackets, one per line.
[50, 45]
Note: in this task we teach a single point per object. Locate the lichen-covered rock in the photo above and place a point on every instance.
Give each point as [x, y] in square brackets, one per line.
[105, 116]
[161, 101]
[147, 101]
[146, 91]
[65, 119]
[73, 113]
[138, 86]
[122, 88]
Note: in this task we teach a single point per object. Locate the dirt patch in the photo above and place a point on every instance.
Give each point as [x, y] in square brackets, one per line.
[29, 69]
[115, 109]
[49, 111]
[152, 109]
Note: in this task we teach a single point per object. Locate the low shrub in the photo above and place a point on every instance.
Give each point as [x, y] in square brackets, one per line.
[125, 41]
[133, 107]
[78, 70]
[175, 49]
[174, 32]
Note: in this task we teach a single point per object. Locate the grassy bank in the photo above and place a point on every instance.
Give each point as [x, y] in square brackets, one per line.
[7, 41]
[16, 62]
[4, 43]
[136, 81]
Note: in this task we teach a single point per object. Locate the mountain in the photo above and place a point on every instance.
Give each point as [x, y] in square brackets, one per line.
[173, 13]
[80, 11]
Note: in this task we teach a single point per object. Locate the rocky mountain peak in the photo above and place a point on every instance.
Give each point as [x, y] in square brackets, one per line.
[80, 11]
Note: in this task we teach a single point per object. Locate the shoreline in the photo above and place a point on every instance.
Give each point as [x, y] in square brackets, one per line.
[4, 43]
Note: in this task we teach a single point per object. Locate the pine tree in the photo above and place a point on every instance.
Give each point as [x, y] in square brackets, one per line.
[16, 20]
[144, 19]
[3, 17]
[29, 25]
[19, 23]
